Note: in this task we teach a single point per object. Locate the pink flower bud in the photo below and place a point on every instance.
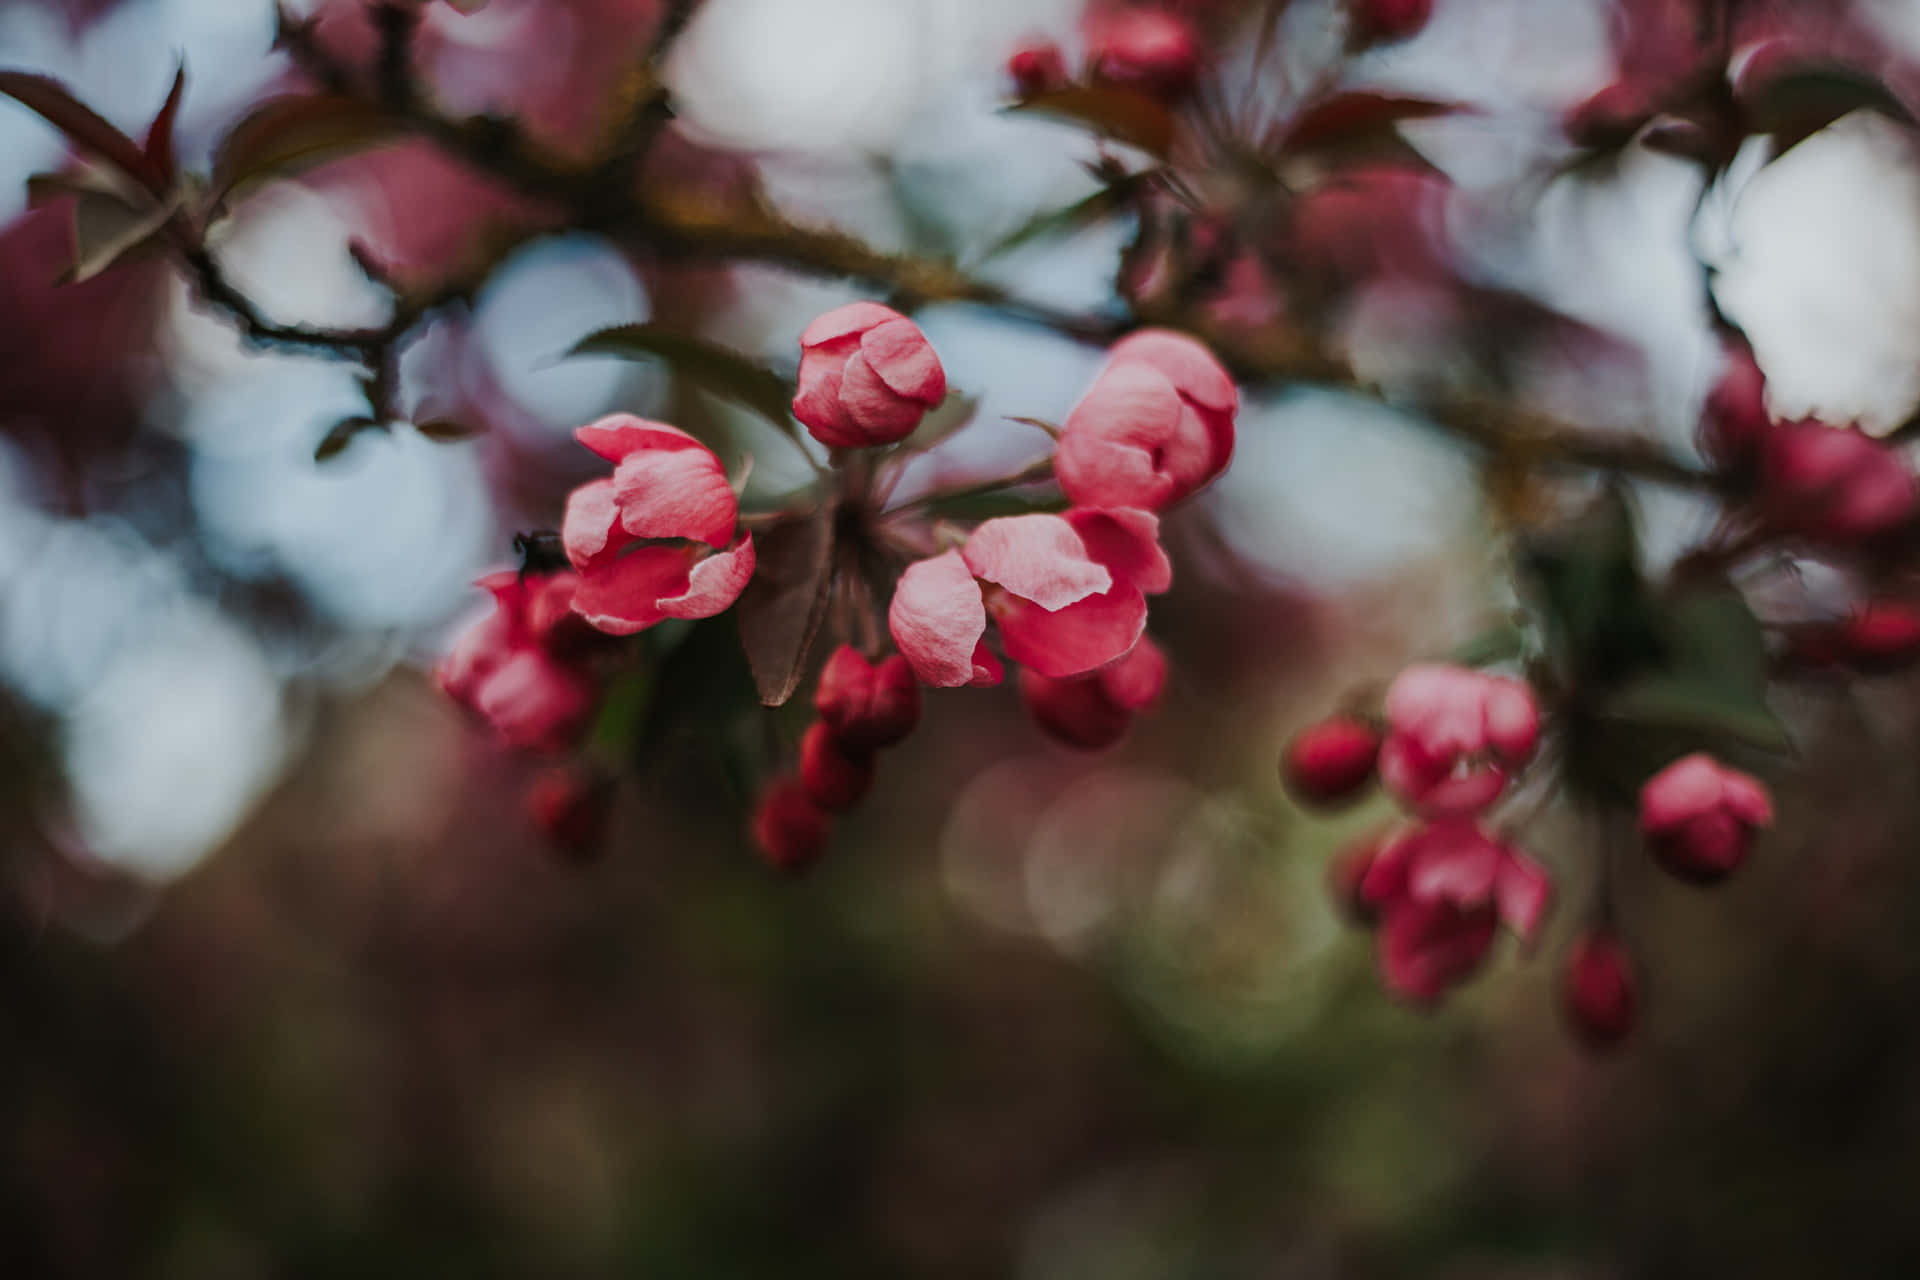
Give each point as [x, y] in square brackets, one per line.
[835, 777]
[657, 540]
[1093, 712]
[1149, 49]
[1734, 423]
[516, 668]
[1699, 816]
[1329, 763]
[1835, 485]
[1068, 594]
[1347, 877]
[1375, 21]
[867, 376]
[1453, 735]
[571, 808]
[1425, 949]
[868, 707]
[1600, 993]
[1155, 427]
[1037, 68]
[789, 827]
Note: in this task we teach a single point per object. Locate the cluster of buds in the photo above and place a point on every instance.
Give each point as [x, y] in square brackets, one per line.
[1155, 51]
[1436, 890]
[1060, 593]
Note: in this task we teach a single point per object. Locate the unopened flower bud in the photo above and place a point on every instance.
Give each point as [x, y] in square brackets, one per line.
[835, 777]
[789, 827]
[1699, 817]
[1329, 763]
[869, 705]
[571, 808]
[1037, 68]
[1602, 1001]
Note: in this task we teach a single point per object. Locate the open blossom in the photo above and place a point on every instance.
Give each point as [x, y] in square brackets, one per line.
[867, 705]
[1094, 711]
[1068, 593]
[1156, 425]
[867, 376]
[1835, 484]
[658, 540]
[514, 667]
[1453, 734]
[1699, 817]
[1438, 892]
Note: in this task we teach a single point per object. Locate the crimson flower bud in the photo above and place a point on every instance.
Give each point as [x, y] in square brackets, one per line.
[1882, 635]
[1379, 20]
[572, 809]
[1328, 763]
[1734, 423]
[869, 706]
[1602, 1000]
[835, 777]
[1347, 876]
[1037, 68]
[1093, 712]
[1610, 118]
[1150, 49]
[1699, 816]
[789, 827]
[1836, 485]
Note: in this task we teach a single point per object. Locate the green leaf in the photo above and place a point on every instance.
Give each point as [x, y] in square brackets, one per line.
[784, 604]
[286, 135]
[1078, 216]
[1601, 618]
[723, 372]
[1712, 678]
[1707, 710]
[1125, 115]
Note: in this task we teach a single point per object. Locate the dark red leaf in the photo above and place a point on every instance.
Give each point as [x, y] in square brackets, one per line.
[1126, 115]
[159, 146]
[284, 135]
[783, 606]
[1359, 120]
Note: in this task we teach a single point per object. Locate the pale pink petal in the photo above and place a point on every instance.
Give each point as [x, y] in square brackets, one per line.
[714, 583]
[876, 411]
[937, 618]
[1115, 449]
[1127, 541]
[1747, 798]
[905, 360]
[1513, 719]
[534, 702]
[1082, 637]
[683, 494]
[817, 401]
[1037, 557]
[621, 595]
[855, 317]
[1136, 681]
[589, 521]
[1522, 893]
[1186, 363]
[1684, 790]
[619, 434]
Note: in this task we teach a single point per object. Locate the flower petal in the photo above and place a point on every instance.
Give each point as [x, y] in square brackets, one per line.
[1036, 557]
[681, 494]
[619, 434]
[1127, 541]
[879, 413]
[1187, 364]
[714, 582]
[900, 353]
[621, 595]
[855, 317]
[1522, 892]
[1082, 637]
[937, 619]
[1136, 681]
[588, 524]
[1112, 447]
[816, 403]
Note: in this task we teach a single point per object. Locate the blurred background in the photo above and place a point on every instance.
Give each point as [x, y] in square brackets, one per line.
[291, 987]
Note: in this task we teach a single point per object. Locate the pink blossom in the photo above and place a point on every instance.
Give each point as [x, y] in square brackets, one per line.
[867, 376]
[1601, 993]
[1156, 425]
[657, 540]
[1330, 762]
[1427, 948]
[1094, 711]
[1068, 594]
[1153, 50]
[1835, 484]
[1699, 817]
[512, 666]
[1453, 735]
[868, 705]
